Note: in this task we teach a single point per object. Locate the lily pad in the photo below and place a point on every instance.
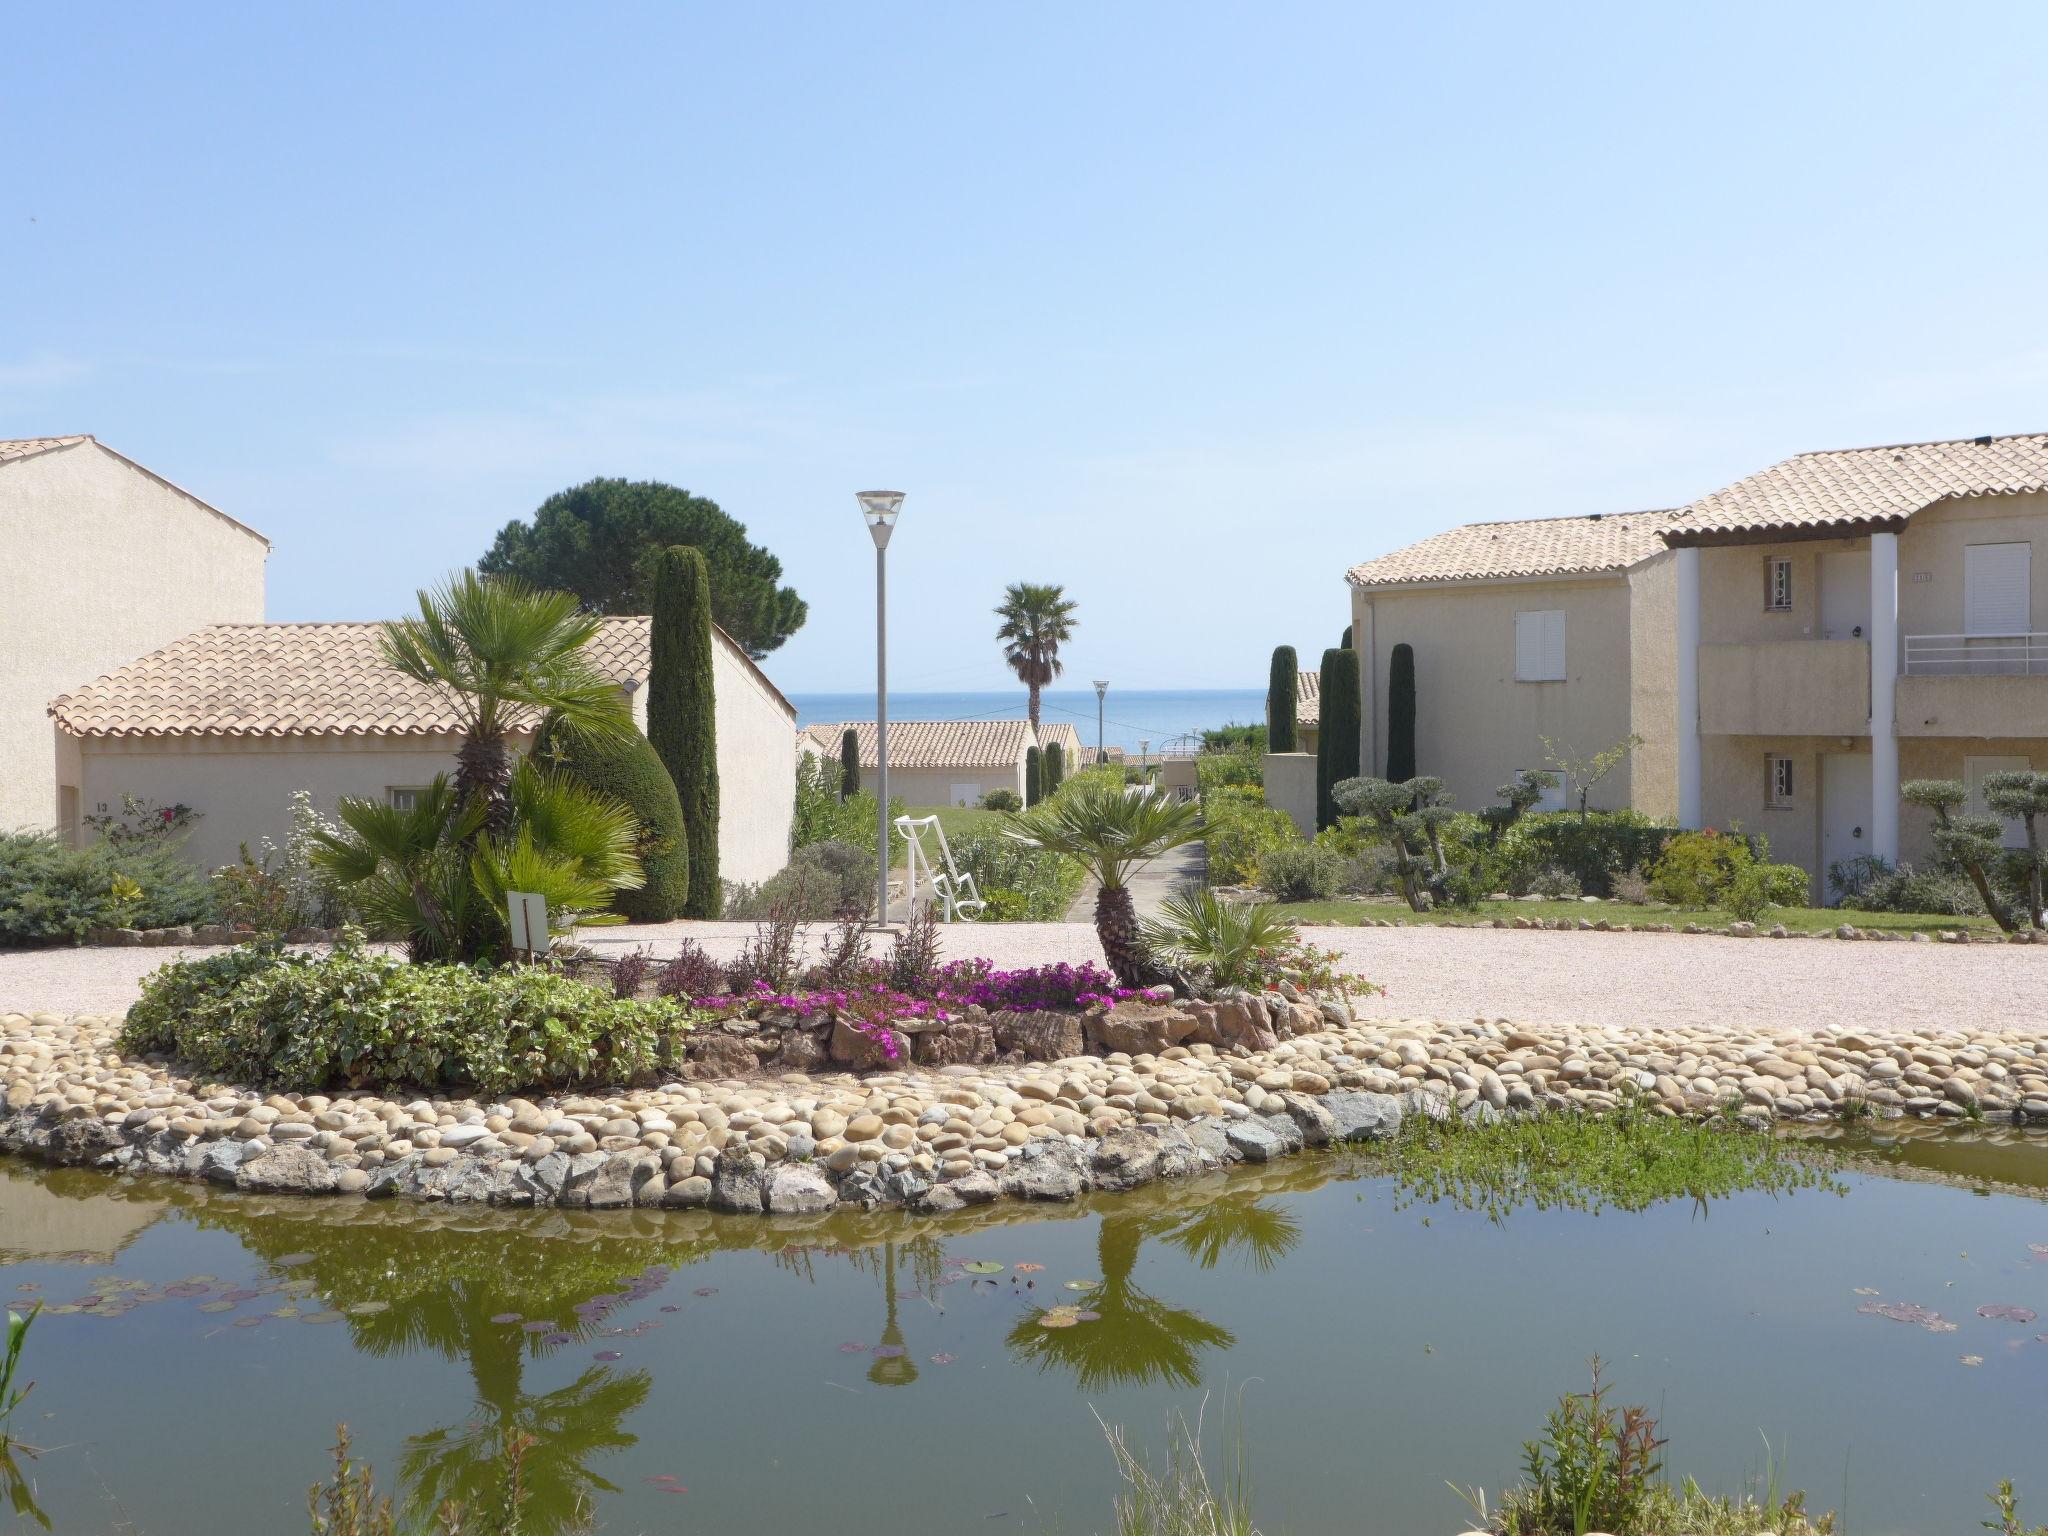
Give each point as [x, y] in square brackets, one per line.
[1082, 1285]
[851, 1348]
[1909, 1312]
[984, 1267]
[1058, 1320]
[608, 1354]
[889, 1351]
[537, 1326]
[249, 1322]
[216, 1306]
[557, 1338]
[290, 1261]
[1087, 1317]
[2007, 1314]
[368, 1308]
[320, 1317]
[705, 1290]
[1029, 1269]
[942, 1358]
[1971, 1359]
[505, 1317]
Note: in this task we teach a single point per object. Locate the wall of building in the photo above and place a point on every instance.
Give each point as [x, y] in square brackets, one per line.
[937, 786]
[1735, 797]
[102, 563]
[1653, 685]
[1290, 779]
[1944, 759]
[1475, 724]
[756, 769]
[1932, 548]
[1734, 589]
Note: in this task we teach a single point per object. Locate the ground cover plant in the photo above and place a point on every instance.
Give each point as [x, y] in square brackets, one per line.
[1350, 913]
[262, 1013]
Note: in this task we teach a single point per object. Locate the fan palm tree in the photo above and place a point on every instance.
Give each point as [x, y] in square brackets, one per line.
[1038, 619]
[501, 650]
[1113, 831]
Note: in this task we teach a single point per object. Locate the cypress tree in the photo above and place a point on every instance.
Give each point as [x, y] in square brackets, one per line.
[1282, 700]
[682, 711]
[849, 763]
[1055, 766]
[1337, 740]
[628, 770]
[1401, 714]
[1034, 776]
[1345, 643]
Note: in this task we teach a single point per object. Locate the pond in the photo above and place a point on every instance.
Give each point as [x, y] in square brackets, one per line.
[881, 1374]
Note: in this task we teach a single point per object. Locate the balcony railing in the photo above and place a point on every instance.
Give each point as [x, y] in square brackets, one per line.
[1977, 655]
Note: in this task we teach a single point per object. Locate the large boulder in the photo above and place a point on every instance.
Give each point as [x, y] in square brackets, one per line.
[287, 1170]
[799, 1189]
[713, 1056]
[1040, 1035]
[1242, 1021]
[868, 1050]
[803, 1050]
[1046, 1170]
[964, 1042]
[1362, 1116]
[1139, 1029]
[82, 1140]
[739, 1182]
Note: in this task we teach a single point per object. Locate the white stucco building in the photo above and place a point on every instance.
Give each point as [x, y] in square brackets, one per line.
[233, 718]
[1789, 649]
[100, 561]
[948, 762]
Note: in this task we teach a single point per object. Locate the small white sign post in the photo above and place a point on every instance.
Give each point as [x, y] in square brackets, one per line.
[527, 916]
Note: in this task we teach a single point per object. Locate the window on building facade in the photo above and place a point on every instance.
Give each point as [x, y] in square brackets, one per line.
[404, 797]
[1539, 646]
[1778, 782]
[1778, 585]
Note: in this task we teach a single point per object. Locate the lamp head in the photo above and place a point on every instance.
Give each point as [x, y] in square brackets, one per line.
[878, 509]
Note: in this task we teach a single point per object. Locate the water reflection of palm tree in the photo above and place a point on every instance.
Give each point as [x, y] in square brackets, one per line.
[564, 1430]
[893, 1370]
[1140, 1340]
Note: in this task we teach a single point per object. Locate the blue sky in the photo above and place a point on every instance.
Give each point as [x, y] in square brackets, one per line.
[1186, 306]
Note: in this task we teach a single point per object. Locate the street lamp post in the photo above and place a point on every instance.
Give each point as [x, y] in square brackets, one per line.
[878, 509]
[1144, 762]
[1101, 688]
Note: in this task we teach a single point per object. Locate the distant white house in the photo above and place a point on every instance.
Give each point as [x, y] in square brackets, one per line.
[947, 762]
[233, 718]
[100, 560]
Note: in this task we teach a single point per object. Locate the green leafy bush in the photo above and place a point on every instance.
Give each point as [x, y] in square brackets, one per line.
[1002, 800]
[51, 894]
[1697, 867]
[265, 1014]
[1595, 848]
[1037, 886]
[1301, 872]
[1232, 767]
[1868, 883]
[1241, 827]
[822, 880]
[1757, 889]
[1555, 883]
[626, 768]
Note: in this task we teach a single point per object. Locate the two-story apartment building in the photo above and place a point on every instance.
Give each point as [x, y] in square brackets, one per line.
[1789, 649]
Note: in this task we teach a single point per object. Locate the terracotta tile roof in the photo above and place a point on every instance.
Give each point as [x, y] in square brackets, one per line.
[936, 743]
[1857, 487]
[1308, 698]
[1548, 546]
[1066, 735]
[294, 680]
[12, 448]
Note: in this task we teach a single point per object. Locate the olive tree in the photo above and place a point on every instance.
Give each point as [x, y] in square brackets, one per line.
[1969, 842]
[1411, 815]
[2024, 795]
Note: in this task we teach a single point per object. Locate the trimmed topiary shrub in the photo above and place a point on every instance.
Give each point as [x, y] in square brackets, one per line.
[1002, 800]
[1301, 872]
[1337, 739]
[1283, 700]
[849, 763]
[682, 712]
[627, 770]
[1055, 769]
[1034, 776]
[1401, 713]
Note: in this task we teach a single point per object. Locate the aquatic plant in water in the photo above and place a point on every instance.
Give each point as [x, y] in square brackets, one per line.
[1629, 1160]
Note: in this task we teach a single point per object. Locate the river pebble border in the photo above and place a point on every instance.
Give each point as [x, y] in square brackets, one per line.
[938, 1139]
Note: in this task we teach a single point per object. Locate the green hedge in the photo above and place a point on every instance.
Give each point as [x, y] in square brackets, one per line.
[682, 711]
[629, 771]
[261, 1014]
[51, 894]
[1592, 851]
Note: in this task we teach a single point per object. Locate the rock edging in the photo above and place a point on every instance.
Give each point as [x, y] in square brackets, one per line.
[938, 1140]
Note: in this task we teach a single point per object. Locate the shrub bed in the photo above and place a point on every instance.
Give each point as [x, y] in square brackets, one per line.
[51, 894]
[265, 1014]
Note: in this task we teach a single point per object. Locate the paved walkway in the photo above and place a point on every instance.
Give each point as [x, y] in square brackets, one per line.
[1618, 979]
[1151, 885]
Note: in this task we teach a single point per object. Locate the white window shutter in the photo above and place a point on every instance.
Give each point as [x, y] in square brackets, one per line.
[1539, 646]
[1997, 589]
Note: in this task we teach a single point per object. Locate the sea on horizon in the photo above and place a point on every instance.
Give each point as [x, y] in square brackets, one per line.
[1170, 719]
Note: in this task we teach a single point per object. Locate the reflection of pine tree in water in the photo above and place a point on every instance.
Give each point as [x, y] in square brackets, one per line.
[891, 1370]
[1139, 1339]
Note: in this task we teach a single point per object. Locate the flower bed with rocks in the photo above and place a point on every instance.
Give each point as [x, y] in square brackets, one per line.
[936, 1137]
[197, 935]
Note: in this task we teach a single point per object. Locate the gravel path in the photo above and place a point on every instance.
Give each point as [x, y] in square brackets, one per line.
[1643, 979]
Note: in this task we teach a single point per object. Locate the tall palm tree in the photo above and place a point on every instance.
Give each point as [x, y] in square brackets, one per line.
[1038, 619]
[501, 650]
[1113, 831]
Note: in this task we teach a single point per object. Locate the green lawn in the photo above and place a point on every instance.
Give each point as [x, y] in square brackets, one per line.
[1811, 919]
[958, 821]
